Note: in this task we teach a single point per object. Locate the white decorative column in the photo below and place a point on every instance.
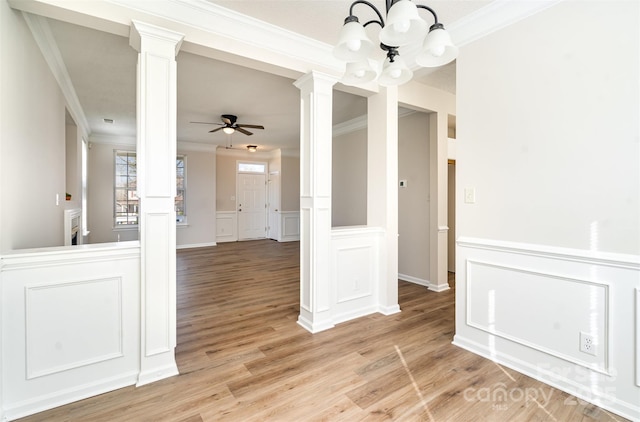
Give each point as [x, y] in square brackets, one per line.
[316, 92]
[382, 189]
[156, 162]
[438, 191]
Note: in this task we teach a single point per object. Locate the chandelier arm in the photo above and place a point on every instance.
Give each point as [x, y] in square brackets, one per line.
[373, 21]
[435, 17]
[381, 22]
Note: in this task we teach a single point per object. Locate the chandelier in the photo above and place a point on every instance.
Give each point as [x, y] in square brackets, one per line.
[404, 27]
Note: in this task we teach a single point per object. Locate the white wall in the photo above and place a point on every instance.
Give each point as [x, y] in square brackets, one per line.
[547, 135]
[32, 137]
[413, 200]
[349, 179]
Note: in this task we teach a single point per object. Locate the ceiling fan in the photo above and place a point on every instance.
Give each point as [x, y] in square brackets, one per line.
[229, 125]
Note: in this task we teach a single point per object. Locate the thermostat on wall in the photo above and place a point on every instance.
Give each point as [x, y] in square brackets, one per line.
[403, 183]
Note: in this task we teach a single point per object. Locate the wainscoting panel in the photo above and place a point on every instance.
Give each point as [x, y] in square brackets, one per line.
[495, 293]
[526, 307]
[52, 309]
[290, 226]
[226, 226]
[71, 322]
[355, 269]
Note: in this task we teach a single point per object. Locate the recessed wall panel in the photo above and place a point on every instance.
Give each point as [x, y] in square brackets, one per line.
[543, 311]
[72, 324]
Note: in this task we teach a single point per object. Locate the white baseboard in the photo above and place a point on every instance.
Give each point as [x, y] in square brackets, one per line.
[196, 245]
[313, 328]
[60, 398]
[628, 410]
[423, 282]
[389, 310]
[157, 374]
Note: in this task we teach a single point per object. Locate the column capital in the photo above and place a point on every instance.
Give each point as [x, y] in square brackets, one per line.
[142, 29]
[314, 81]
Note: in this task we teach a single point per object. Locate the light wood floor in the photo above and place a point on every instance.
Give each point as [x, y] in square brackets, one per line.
[242, 357]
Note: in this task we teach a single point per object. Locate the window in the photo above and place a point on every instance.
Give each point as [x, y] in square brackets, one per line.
[126, 198]
[251, 167]
[126, 185]
[181, 188]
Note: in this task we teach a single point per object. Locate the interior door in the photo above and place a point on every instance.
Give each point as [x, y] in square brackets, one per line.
[273, 207]
[252, 211]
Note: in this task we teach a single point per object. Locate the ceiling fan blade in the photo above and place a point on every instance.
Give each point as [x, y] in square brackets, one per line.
[246, 132]
[217, 129]
[207, 123]
[251, 126]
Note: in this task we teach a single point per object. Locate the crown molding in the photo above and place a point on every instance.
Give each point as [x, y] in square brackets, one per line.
[196, 146]
[231, 32]
[43, 36]
[360, 122]
[97, 138]
[496, 15]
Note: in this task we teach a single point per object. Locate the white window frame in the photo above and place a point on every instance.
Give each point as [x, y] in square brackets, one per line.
[181, 220]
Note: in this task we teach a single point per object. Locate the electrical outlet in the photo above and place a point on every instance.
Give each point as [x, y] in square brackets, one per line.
[588, 344]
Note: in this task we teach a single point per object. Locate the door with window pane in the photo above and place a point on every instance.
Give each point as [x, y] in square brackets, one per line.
[252, 216]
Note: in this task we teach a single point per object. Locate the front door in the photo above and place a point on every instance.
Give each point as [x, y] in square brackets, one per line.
[252, 211]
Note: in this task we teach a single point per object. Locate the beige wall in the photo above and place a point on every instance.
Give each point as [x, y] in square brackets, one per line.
[201, 199]
[413, 200]
[225, 181]
[349, 179]
[451, 220]
[100, 174]
[290, 183]
[32, 141]
[201, 194]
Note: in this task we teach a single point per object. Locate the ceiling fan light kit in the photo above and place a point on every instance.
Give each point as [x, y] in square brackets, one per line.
[404, 26]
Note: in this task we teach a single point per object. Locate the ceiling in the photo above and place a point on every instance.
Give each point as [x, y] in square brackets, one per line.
[102, 68]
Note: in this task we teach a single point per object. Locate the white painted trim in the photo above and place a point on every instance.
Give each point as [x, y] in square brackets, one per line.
[423, 282]
[355, 313]
[227, 215]
[493, 17]
[314, 328]
[414, 280]
[129, 141]
[197, 245]
[196, 146]
[43, 36]
[552, 252]
[158, 373]
[30, 309]
[637, 324]
[66, 255]
[360, 122]
[389, 310]
[289, 236]
[605, 342]
[555, 380]
[62, 397]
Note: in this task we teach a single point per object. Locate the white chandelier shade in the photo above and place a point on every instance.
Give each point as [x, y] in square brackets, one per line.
[404, 27]
[359, 73]
[437, 50]
[394, 72]
[353, 45]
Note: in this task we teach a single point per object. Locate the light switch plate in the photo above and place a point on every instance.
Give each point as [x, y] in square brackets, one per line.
[469, 195]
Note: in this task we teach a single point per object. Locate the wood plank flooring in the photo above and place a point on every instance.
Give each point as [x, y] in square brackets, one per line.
[242, 357]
